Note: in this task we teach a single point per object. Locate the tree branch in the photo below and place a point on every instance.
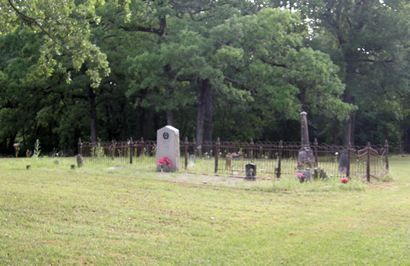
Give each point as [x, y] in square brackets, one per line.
[158, 31]
[273, 63]
[32, 21]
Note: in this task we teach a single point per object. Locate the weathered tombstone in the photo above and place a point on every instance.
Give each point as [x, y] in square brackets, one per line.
[306, 157]
[80, 160]
[191, 160]
[228, 162]
[319, 174]
[250, 171]
[16, 148]
[168, 150]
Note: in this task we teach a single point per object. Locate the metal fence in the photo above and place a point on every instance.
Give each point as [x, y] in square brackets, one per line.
[272, 159]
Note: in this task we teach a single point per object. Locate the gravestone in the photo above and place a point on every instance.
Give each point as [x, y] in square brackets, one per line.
[250, 171]
[80, 160]
[191, 160]
[306, 157]
[168, 147]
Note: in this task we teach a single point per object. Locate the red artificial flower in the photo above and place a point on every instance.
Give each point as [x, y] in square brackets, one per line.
[300, 175]
[164, 161]
[344, 180]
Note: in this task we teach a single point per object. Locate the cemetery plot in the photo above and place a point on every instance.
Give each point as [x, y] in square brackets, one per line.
[249, 160]
[272, 159]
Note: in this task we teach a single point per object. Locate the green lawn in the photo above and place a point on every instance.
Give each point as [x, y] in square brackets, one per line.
[102, 214]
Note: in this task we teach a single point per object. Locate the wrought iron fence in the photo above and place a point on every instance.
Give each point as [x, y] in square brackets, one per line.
[272, 159]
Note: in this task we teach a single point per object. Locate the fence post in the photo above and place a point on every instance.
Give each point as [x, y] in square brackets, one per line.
[111, 149]
[368, 162]
[80, 147]
[315, 148]
[349, 147]
[195, 148]
[141, 153]
[186, 143]
[279, 168]
[217, 148]
[386, 154]
[131, 147]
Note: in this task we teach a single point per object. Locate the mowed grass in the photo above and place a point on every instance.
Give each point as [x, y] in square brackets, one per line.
[117, 215]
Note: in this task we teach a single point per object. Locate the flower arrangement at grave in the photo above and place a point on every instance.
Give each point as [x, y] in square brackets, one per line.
[164, 164]
[344, 180]
[301, 176]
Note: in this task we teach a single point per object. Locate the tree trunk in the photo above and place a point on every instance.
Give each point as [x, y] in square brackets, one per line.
[93, 114]
[170, 118]
[204, 122]
[407, 141]
[348, 130]
[168, 94]
[353, 128]
[208, 117]
[349, 125]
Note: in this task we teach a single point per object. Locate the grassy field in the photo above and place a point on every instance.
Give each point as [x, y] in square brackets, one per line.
[106, 214]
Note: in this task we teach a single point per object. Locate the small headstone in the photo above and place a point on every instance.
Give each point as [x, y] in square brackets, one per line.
[191, 160]
[228, 162]
[168, 150]
[250, 170]
[80, 160]
[16, 148]
[319, 173]
[277, 173]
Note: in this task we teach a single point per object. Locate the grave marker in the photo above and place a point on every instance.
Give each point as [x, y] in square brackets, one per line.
[306, 157]
[168, 146]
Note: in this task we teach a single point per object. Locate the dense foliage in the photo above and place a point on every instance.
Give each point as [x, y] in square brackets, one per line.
[235, 69]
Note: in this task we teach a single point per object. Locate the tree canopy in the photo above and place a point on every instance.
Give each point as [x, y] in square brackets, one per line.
[108, 69]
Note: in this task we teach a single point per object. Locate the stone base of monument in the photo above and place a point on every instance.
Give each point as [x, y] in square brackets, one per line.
[166, 169]
[304, 175]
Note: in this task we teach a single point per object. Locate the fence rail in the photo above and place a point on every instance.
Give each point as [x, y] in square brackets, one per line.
[273, 159]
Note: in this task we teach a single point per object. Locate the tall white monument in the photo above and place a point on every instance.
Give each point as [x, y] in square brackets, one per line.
[168, 147]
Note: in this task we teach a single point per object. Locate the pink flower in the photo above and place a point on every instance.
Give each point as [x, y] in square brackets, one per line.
[164, 161]
[299, 175]
[344, 180]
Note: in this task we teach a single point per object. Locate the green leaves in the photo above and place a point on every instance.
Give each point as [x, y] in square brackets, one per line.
[64, 27]
[145, 59]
